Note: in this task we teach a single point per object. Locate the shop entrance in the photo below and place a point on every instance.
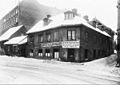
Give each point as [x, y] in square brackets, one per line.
[56, 53]
[71, 55]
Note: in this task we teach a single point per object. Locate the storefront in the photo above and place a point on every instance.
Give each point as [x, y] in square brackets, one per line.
[71, 50]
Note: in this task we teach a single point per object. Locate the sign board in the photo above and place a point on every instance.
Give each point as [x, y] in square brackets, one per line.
[70, 44]
[51, 44]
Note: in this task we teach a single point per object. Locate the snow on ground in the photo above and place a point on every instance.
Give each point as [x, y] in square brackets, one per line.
[103, 67]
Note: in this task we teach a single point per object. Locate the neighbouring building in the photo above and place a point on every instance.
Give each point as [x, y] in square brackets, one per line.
[16, 46]
[68, 37]
[27, 13]
[9, 34]
[118, 30]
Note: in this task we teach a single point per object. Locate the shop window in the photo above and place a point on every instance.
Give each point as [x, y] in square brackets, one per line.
[40, 53]
[40, 38]
[47, 53]
[31, 52]
[71, 34]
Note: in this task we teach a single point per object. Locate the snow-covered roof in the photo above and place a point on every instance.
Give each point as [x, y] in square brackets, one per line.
[23, 41]
[59, 20]
[17, 40]
[9, 33]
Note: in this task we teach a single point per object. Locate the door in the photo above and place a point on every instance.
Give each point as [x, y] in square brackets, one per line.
[56, 53]
[71, 55]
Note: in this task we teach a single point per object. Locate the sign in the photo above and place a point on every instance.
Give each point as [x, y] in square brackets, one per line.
[70, 44]
[50, 44]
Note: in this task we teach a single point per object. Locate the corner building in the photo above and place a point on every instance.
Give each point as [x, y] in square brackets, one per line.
[68, 37]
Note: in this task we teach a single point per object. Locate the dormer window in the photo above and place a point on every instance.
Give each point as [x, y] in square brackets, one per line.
[69, 15]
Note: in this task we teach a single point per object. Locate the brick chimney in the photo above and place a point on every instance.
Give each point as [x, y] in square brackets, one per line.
[46, 20]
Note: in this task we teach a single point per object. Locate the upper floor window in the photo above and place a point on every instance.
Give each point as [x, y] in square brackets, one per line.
[40, 38]
[86, 35]
[71, 34]
[55, 36]
[48, 37]
[31, 39]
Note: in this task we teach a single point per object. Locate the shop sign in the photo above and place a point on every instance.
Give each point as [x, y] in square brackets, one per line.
[70, 44]
[50, 44]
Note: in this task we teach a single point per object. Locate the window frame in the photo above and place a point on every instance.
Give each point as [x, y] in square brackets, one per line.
[48, 35]
[70, 36]
[40, 38]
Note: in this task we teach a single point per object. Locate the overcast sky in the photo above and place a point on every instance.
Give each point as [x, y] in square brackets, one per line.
[104, 10]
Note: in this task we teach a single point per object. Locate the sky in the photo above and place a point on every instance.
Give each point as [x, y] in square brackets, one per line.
[104, 10]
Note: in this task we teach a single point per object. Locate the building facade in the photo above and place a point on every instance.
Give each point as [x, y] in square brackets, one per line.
[118, 30]
[74, 40]
[27, 13]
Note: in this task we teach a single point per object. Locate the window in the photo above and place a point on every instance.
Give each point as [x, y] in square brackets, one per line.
[86, 35]
[47, 53]
[40, 38]
[31, 39]
[31, 52]
[71, 35]
[48, 37]
[40, 53]
[55, 36]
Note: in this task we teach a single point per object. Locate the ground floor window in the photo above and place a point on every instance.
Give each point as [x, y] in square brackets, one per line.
[94, 53]
[40, 53]
[31, 52]
[47, 53]
[86, 54]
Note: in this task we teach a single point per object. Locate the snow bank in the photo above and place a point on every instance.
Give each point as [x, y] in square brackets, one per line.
[103, 66]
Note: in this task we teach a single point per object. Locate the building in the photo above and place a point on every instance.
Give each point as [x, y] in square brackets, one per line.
[68, 37]
[16, 46]
[9, 34]
[27, 13]
[118, 29]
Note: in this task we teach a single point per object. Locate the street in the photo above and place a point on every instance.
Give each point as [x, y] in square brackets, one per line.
[33, 71]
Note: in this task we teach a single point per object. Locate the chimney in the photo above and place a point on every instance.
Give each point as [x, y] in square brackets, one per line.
[47, 20]
[74, 12]
[86, 17]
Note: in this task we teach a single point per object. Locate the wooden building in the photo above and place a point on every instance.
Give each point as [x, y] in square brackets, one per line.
[9, 34]
[68, 37]
[16, 46]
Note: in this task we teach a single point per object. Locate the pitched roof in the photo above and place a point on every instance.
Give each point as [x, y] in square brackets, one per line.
[9, 33]
[17, 40]
[59, 20]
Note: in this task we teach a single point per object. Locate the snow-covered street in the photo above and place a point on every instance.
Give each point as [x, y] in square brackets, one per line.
[14, 70]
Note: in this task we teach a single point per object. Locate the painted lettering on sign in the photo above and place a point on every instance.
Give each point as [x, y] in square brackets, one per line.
[70, 44]
[50, 44]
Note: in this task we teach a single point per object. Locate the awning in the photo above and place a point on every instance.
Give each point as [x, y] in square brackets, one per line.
[17, 40]
[9, 33]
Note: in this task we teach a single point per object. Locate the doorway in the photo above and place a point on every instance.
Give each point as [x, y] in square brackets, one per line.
[71, 55]
[56, 53]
